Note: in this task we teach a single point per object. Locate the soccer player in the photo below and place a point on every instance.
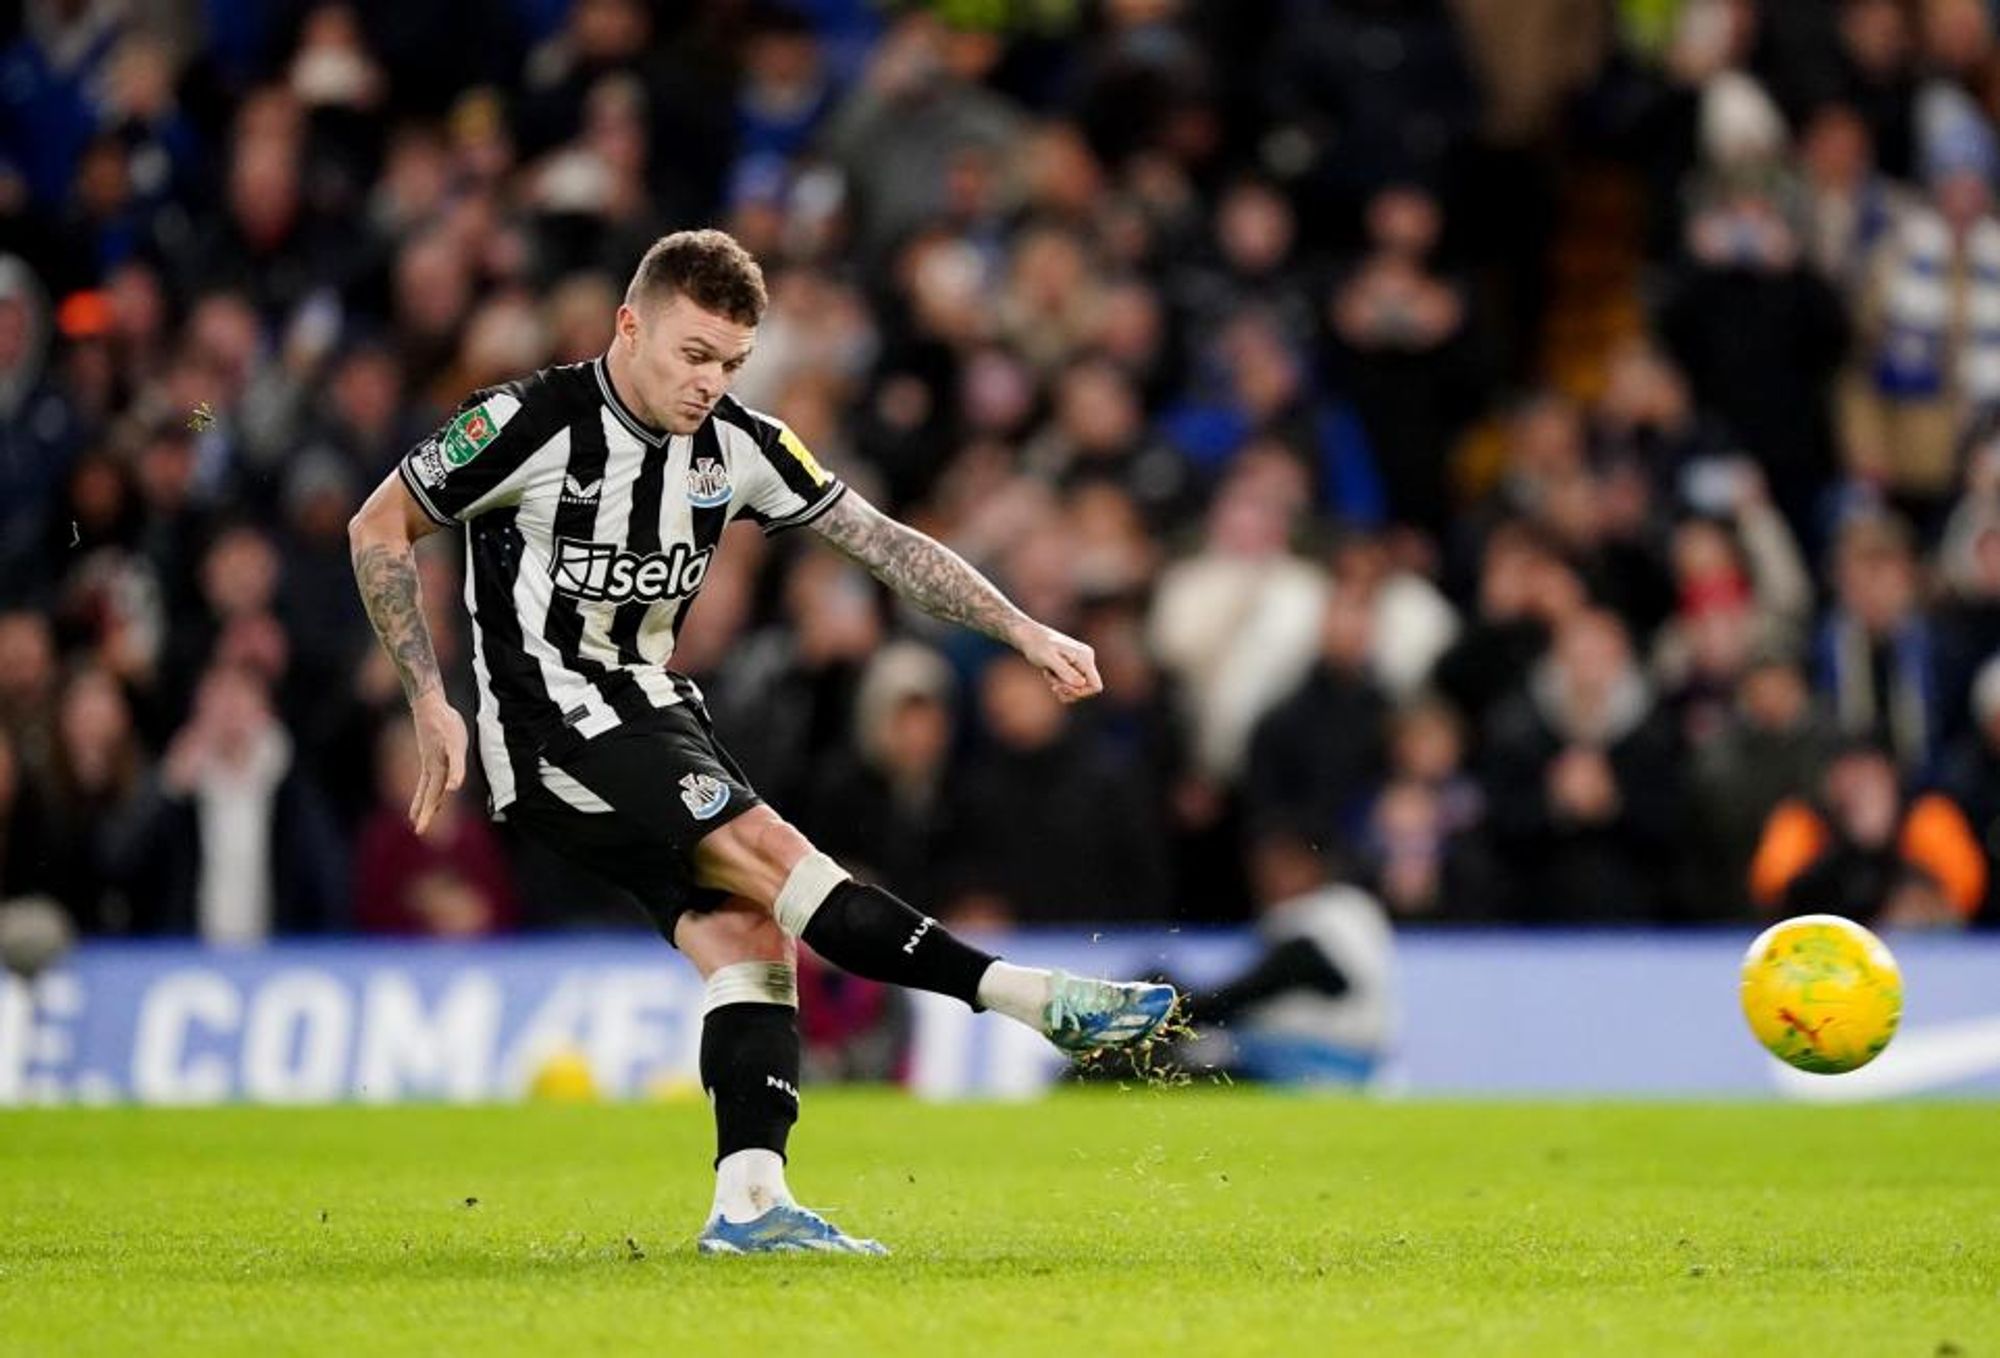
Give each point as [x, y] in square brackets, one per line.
[592, 499]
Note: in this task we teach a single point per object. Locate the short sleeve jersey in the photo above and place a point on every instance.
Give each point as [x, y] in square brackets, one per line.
[587, 537]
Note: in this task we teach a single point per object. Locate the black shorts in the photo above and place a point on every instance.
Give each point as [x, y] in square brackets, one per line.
[631, 805]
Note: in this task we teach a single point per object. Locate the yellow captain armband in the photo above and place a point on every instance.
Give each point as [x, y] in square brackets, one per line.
[796, 446]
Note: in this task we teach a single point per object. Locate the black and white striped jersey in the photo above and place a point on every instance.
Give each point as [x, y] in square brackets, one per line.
[587, 537]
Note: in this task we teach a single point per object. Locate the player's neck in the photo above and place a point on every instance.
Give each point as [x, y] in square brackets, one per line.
[625, 391]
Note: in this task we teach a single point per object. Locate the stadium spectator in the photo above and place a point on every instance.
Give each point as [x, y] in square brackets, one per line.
[886, 804]
[26, 864]
[39, 431]
[918, 107]
[1401, 121]
[1859, 847]
[1878, 72]
[1646, 417]
[1542, 444]
[1921, 366]
[272, 245]
[1145, 86]
[1583, 784]
[1047, 309]
[1054, 830]
[1768, 745]
[1602, 521]
[1970, 770]
[1405, 351]
[102, 801]
[1266, 398]
[48, 115]
[173, 525]
[1425, 868]
[454, 883]
[28, 689]
[1741, 586]
[1967, 610]
[1877, 660]
[1850, 205]
[240, 574]
[1099, 434]
[852, 1029]
[1531, 57]
[1424, 841]
[589, 196]
[241, 846]
[1414, 623]
[1254, 267]
[1525, 591]
[786, 693]
[316, 591]
[1761, 337]
[1238, 623]
[1315, 756]
[786, 91]
[1114, 557]
[1138, 722]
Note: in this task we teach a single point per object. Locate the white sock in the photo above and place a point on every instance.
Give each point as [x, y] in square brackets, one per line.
[1021, 993]
[749, 1184]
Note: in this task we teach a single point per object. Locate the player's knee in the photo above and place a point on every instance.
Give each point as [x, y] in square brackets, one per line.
[727, 937]
[751, 856]
[777, 846]
[761, 857]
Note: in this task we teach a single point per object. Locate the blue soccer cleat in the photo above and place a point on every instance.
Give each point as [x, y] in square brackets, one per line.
[1083, 1015]
[785, 1229]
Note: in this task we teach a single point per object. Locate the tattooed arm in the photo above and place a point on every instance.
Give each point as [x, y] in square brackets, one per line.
[938, 580]
[380, 537]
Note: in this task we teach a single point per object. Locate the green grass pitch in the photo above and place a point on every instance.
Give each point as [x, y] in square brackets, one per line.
[1096, 1223]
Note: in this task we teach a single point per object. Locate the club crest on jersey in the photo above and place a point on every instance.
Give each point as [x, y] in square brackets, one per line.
[702, 795]
[467, 435]
[708, 484]
[598, 572]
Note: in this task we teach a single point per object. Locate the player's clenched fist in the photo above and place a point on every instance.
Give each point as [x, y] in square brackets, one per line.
[1068, 664]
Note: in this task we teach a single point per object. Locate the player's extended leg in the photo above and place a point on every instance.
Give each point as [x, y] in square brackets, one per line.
[750, 1068]
[865, 930]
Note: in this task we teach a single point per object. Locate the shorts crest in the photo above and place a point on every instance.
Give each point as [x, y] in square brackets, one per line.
[703, 795]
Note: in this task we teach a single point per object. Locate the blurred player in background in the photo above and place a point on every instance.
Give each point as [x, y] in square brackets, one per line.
[1316, 1006]
[593, 498]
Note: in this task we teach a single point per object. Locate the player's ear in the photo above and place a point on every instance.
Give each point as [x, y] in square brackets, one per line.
[627, 324]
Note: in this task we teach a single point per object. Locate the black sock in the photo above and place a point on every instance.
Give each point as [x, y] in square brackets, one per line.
[865, 930]
[750, 1068]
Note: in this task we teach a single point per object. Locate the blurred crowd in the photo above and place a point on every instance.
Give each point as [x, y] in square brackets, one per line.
[1540, 454]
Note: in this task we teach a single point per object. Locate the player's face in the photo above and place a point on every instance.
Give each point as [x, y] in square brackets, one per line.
[682, 359]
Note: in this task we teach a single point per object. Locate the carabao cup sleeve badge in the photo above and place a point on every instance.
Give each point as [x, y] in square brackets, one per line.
[468, 435]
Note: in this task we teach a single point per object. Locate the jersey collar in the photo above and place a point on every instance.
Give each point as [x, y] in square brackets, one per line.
[638, 427]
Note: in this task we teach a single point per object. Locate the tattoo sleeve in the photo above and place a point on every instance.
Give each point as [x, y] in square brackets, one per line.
[921, 569]
[388, 580]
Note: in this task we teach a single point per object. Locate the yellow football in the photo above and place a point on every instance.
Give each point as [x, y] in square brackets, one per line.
[1822, 993]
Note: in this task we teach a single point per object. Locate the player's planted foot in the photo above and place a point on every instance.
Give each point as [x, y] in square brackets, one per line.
[1085, 1015]
[786, 1229]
